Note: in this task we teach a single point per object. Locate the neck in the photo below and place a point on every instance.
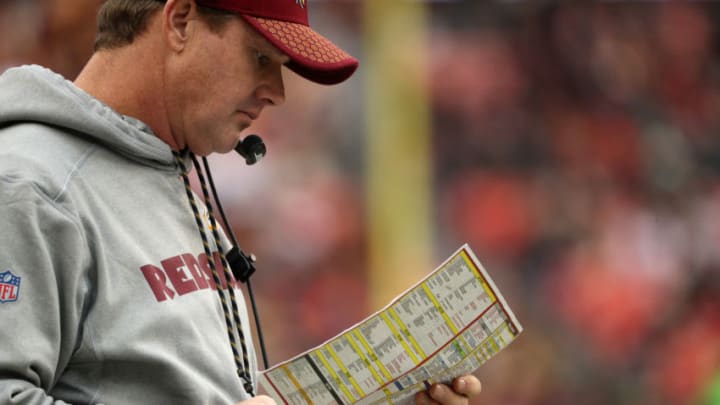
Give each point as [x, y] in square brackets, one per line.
[130, 80]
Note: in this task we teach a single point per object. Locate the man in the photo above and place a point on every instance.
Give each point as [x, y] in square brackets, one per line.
[113, 285]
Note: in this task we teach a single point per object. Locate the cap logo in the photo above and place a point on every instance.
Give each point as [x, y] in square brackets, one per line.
[301, 3]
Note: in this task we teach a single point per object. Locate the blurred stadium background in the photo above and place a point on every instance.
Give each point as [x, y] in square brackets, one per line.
[574, 145]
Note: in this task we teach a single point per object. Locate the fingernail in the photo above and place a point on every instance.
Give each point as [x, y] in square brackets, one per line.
[461, 383]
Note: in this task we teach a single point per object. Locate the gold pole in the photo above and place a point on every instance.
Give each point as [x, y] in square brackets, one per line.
[398, 146]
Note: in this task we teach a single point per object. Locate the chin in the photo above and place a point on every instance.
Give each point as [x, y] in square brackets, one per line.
[223, 149]
[201, 153]
[207, 150]
[201, 150]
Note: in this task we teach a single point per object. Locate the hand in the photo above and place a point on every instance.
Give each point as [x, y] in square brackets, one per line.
[258, 400]
[463, 388]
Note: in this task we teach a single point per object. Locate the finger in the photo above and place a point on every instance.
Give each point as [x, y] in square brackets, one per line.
[259, 400]
[467, 385]
[445, 395]
[423, 398]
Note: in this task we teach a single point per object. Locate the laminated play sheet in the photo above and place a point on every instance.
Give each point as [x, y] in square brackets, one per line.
[447, 325]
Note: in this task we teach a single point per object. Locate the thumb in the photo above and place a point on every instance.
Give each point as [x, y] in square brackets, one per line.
[258, 400]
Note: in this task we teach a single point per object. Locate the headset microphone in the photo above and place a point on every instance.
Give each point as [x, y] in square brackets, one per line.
[252, 148]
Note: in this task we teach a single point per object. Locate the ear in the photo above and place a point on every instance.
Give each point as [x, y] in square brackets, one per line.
[176, 17]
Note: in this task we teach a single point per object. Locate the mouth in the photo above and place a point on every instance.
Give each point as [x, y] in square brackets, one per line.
[251, 114]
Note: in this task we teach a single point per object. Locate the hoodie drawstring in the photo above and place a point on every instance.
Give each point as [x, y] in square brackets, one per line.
[242, 363]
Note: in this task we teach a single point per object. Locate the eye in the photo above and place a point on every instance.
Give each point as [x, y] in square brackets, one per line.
[262, 59]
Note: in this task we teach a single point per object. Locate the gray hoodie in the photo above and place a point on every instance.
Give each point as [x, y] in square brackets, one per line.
[105, 292]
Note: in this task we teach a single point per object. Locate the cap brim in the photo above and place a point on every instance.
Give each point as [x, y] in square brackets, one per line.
[312, 56]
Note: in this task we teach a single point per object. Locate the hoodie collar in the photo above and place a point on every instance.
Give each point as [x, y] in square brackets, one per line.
[36, 94]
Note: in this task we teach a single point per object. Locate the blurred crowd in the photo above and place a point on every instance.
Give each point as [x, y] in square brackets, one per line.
[583, 165]
[576, 148]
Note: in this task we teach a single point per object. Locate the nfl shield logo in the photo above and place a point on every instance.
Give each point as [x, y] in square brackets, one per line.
[9, 287]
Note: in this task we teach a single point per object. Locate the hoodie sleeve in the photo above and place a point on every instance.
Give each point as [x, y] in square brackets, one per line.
[43, 289]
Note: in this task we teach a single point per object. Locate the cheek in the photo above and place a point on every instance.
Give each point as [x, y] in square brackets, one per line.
[206, 88]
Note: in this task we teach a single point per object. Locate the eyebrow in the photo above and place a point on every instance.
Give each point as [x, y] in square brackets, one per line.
[265, 46]
[276, 53]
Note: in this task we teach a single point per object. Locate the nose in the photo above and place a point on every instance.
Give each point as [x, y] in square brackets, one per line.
[272, 90]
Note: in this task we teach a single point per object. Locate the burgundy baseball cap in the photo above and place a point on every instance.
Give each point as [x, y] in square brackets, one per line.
[285, 24]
